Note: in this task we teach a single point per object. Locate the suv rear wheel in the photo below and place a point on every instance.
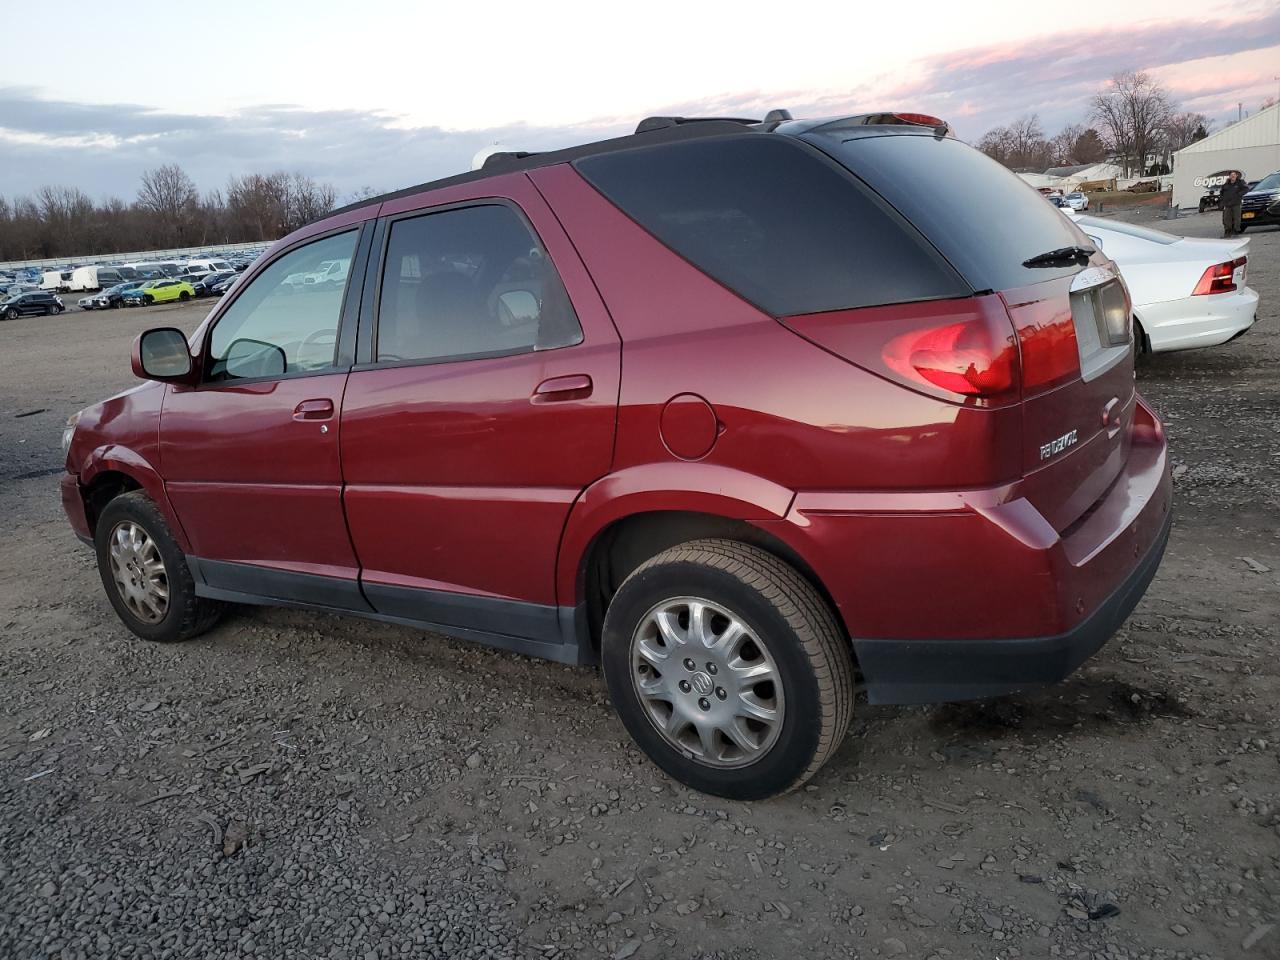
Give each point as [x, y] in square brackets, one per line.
[145, 573]
[728, 669]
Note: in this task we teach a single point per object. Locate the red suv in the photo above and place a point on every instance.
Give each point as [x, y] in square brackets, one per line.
[733, 408]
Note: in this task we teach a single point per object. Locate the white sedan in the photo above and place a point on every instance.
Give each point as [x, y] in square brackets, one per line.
[1186, 292]
[1076, 201]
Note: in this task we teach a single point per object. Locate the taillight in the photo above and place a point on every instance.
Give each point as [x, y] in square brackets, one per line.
[964, 351]
[1220, 278]
[922, 119]
[968, 358]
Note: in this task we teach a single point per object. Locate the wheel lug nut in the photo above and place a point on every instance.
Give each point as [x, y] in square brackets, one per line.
[711, 669]
[720, 694]
[689, 664]
[704, 703]
[684, 686]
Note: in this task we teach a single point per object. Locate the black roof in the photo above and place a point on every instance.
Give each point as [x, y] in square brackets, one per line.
[656, 130]
[501, 163]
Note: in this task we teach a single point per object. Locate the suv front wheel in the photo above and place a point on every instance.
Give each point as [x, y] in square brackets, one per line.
[728, 669]
[145, 572]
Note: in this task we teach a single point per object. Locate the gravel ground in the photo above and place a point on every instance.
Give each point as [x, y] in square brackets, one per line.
[299, 785]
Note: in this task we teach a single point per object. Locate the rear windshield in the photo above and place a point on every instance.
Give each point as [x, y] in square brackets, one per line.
[1128, 229]
[777, 224]
[982, 217]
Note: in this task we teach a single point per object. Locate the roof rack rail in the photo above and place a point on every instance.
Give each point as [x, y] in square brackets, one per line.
[662, 123]
[506, 157]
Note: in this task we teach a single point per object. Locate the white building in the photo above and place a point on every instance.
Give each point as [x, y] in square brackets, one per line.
[1251, 146]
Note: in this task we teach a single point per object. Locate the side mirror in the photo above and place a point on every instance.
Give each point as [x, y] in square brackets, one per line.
[248, 359]
[162, 354]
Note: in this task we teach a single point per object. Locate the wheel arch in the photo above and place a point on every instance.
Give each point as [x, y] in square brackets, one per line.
[620, 522]
[112, 470]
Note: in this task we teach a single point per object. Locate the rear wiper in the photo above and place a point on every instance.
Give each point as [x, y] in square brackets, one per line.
[1061, 257]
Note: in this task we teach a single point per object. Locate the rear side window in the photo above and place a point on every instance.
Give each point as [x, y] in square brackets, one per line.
[782, 228]
[983, 218]
[470, 282]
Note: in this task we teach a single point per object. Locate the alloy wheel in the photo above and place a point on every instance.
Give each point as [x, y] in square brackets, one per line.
[707, 682]
[139, 572]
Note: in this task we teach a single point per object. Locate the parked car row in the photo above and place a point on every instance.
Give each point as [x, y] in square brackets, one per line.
[203, 273]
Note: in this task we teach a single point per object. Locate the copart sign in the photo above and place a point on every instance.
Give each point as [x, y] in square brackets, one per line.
[1213, 179]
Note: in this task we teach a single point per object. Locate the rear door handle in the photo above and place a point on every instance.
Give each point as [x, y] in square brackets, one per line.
[313, 410]
[574, 387]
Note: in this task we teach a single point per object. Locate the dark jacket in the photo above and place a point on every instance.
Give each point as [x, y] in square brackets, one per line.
[1233, 193]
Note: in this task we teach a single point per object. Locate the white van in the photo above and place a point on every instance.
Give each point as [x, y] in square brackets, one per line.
[96, 278]
[208, 266]
[55, 280]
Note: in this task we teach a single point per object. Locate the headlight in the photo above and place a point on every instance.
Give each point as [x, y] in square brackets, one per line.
[69, 431]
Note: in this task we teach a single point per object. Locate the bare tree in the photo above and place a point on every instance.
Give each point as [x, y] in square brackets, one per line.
[62, 221]
[1021, 145]
[1183, 129]
[171, 195]
[1131, 111]
[362, 193]
[1063, 146]
[997, 144]
[1029, 148]
[309, 200]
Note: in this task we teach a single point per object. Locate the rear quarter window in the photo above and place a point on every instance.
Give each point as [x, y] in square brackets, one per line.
[983, 218]
[777, 224]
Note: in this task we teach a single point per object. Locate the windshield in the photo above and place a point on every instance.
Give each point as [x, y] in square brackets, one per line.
[1269, 183]
[1128, 229]
[978, 214]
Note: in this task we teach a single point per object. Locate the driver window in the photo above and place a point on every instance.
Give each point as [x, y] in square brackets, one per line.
[470, 282]
[286, 320]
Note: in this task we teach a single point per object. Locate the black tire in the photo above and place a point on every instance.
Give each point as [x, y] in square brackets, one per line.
[810, 650]
[184, 296]
[148, 300]
[54, 311]
[187, 615]
[11, 314]
[115, 304]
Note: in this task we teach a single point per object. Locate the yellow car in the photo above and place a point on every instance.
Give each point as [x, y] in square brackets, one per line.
[159, 291]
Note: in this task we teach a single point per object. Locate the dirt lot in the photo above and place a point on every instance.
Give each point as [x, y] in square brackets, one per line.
[304, 785]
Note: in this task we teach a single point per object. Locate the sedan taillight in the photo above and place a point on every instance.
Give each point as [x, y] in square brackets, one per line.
[1219, 278]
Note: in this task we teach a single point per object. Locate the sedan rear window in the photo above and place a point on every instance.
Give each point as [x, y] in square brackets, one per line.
[983, 218]
[774, 222]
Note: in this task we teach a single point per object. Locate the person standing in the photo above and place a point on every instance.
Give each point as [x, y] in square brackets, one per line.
[1233, 192]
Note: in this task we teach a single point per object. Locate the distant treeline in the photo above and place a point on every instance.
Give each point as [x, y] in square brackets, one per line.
[167, 212]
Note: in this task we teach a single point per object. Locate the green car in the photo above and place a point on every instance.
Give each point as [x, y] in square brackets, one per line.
[158, 291]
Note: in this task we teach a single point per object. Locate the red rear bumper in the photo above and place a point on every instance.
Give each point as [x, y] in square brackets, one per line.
[959, 594]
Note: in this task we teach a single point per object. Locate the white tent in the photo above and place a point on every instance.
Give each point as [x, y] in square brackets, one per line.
[1042, 181]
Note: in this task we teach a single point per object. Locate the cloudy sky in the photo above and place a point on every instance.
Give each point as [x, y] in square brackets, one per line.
[385, 94]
